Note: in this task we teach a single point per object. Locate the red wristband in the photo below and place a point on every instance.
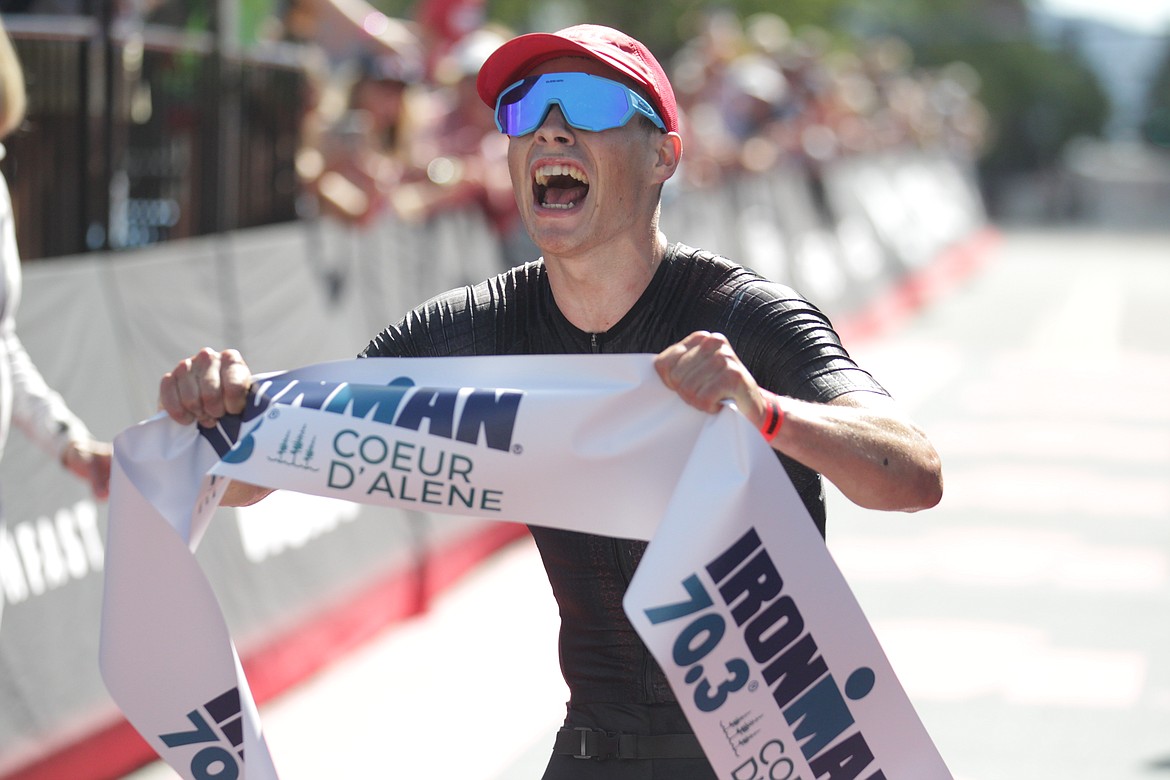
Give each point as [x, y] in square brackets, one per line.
[774, 420]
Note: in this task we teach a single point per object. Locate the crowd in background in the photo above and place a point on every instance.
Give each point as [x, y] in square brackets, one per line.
[394, 124]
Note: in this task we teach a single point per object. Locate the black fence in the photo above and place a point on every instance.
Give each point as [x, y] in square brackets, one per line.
[138, 134]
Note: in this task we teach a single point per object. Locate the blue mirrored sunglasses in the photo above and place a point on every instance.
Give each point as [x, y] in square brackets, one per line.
[587, 103]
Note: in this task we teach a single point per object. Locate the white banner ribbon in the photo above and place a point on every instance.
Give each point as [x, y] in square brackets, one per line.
[737, 596]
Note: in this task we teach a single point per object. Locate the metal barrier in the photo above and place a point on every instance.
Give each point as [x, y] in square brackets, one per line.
[137, 135]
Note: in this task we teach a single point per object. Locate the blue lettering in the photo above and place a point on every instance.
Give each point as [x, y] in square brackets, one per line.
[698, 600]
[347, 433]
[203, 732]
[336, 468]
[402, 495]
[781, 760]
[430, 403]
[400, 460]
[494, 414]
[490, 411]
[258, 403]
[734, 555]
[845, 761]
[774, 629]
[467, 501]
[310, 395]
[214, 758]
[460, 465]
[359, 400]
[246, 447]
[860, 683]
[432, 492]
[422, 463]
[757, 582]
[819, 716]
[798, 675]
[373, 449]
[490, 500]
[381, 484]
[796, 668]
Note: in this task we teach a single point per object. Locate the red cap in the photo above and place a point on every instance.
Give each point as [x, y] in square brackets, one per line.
[512, 61]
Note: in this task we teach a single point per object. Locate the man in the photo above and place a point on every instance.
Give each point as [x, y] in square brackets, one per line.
[593, 129]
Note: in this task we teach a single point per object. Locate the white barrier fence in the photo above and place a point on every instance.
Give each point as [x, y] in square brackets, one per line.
[104, 327]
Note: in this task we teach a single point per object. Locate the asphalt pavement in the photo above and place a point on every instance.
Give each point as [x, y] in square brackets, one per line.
[1027, 616]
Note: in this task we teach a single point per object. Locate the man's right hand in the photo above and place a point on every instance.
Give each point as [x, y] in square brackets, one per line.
[205, 387]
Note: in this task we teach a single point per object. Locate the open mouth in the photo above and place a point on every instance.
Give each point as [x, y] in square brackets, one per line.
[560, 186]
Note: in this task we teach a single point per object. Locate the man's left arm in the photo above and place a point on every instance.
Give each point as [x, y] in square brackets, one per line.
[860, 441]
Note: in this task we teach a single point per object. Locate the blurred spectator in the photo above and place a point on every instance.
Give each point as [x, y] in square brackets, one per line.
[394, 126]
[347, 29]
[379, 100]
[321, 106]
[444, 24]
[357, 137]
[756, 98]
[755, 95]
[462, 153]
[25, 398]
[415, 140]
[413, 148]
[699, 75]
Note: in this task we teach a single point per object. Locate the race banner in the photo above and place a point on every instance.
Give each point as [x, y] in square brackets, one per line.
[737, 597]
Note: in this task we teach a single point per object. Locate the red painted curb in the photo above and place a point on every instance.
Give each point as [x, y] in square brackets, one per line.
[117, 749]
[890, 310]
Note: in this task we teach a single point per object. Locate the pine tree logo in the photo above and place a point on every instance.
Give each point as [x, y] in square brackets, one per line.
[741, 731]
[294, 449]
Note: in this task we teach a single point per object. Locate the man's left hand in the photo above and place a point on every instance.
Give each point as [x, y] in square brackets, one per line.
[705, 371]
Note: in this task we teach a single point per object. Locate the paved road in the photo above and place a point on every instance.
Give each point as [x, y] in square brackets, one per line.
[1028, 616]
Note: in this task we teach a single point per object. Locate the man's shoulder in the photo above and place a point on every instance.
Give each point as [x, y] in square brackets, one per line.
[505, 286]
[463, 320]
[720, 272]
[518, 278]
[685, 253]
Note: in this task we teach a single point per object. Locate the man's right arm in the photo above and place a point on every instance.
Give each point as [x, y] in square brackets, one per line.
[242, 494]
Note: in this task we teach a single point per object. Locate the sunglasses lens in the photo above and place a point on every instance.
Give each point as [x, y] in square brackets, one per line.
[587, 102]
[598, 105]
[516, 110]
